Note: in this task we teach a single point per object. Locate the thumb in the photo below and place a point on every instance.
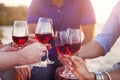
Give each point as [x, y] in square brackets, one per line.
[77, 61]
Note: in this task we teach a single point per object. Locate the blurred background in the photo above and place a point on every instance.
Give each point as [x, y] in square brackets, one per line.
[11, 10]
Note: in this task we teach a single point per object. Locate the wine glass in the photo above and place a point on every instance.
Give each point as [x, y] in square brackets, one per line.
[20, 34]
[44, 34]
[68, 43]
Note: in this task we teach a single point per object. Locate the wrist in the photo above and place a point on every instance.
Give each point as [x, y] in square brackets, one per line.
[15, 58]
[102, 76]
[99, 76]
[92, 76]
[20, 58]
[107, 76]
[89, 76]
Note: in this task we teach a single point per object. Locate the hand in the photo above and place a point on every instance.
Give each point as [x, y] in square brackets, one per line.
[8, 48]
[78, 67]
[32, 53]
[23, 73]
[63, 58]
[31, 39]
[60, 58]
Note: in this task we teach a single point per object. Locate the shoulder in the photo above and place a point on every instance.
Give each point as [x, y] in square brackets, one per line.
[116, 9]
[117, 6]
[35, 3]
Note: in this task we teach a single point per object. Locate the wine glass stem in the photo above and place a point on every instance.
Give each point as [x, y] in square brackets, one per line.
[47, 56]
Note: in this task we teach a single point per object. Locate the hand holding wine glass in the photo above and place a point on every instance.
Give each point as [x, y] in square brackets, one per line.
[68, 43]
[20, 35]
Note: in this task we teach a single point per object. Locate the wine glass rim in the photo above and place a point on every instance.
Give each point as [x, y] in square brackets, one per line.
[20, 21]
[45, 17]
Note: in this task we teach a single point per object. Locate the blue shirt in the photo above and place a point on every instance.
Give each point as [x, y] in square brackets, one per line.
[72, 13]
[111, 30]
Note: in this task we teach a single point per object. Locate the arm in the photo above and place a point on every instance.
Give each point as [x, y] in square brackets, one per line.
[89, 33]
[80, 70]
[8, 60]
[32, 27]
[91, 50]
[22, 57]
[106, 39]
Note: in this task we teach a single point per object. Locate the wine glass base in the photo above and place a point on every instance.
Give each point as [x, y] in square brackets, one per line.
[50, 62]
[68, 75]
[41, 64]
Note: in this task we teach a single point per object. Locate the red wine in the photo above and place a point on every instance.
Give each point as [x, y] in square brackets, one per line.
[19, 39]
[44, 38]
[62, 49]
[69, 49]
[73, 48]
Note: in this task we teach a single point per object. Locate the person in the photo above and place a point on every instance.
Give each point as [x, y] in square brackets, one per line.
[99, 47]
[10, 58]
[65, 14]
[79, 68]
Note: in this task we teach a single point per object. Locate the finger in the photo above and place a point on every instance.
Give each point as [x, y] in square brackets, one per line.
[12, 49]
[32, 36]
[32, 39]
[61, 59]
[19, 73]
[48, 46]
[25, 72]
[76, 60]
[29, 73]
[76, 73]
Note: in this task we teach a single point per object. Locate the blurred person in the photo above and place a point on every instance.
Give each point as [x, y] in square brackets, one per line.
[100, 46]
[65, 14]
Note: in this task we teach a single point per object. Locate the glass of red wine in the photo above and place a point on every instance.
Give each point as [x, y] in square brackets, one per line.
[20, 33]
[68, 43]
[44, 34]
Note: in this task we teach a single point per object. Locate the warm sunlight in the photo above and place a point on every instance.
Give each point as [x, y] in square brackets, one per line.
[16, 2]
[102, 7]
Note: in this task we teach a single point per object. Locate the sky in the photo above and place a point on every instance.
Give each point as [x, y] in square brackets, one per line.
[102, 8]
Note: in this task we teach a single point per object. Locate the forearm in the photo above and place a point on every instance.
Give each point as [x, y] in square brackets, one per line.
[91, 50]
[89, 33]
[32, 27]
[9, 60]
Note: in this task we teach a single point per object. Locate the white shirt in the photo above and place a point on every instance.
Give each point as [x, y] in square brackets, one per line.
[111, 30]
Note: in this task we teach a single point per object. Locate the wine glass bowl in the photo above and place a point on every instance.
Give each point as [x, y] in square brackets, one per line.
[44, 38]
[74, 40]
